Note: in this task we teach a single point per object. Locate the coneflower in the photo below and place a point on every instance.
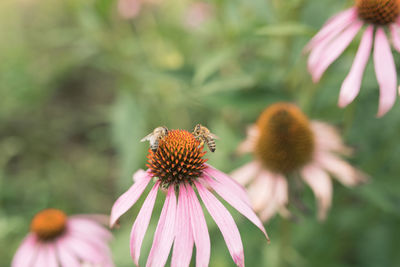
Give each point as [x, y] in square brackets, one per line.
[284, 143]
[330, 42]
[179, 168]
[60, 240]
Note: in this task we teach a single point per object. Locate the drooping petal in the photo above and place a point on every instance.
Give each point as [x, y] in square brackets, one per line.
[141, 224]
[236, 202]
[343, 171]
[234, 186]
[327, 138]
[225, 223]
[339, 21]
[88, 227]
[26, 252]
[394, 30]
[51, 256]
[246, 173]
[165, 232]
[319, 46]
[66, 257]
[82, 249]
[101, 219]
[278, 200]
[41, 256]
[199, 229]
[321, 185]
[183, 244]
[385, 71]
[129, 198]
[352, 83]
[129, 9]
[262, 189]
[247, 146]
[334, 50]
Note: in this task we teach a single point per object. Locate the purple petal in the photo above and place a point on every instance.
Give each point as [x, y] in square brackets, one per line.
[335, 49]
[199, 229]
[385, 72]
[227, 181]
[139, 228]
[225, 223]
[183, 244]
[352, 83]
[321, 185]
[165, 232]
[67, 259]
[339, 21]
[394, 30]
[236, 202]
[129, 198]
[26, 252]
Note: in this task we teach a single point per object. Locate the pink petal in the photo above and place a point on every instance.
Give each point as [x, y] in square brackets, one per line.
[394, 30]
[97, 218]
[343, 171]
[339, 21]
[246, 173]
[129, 9]
[225, 223]
[26, 252]
[82, 249]
[67, 259]
[51, 255]
[139, 228]
[247, 146]
[321, 185]
[165, 232]
[327, 138]
[224, 179]
[199, 229]
[262, 189]
[88, 227]
[334, 50]
[183, 245]
[352, 83]
[320, 45]
[236, 202]
[41, 256]
[385, 72]
[129, 198]
[278, 199]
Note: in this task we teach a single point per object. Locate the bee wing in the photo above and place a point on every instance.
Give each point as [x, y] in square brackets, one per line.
[213, 136]
[147, 137]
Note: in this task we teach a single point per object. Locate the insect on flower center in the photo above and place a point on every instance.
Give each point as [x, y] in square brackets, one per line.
[379, 12]
[286, 141]
[179, 158]
[49, 224]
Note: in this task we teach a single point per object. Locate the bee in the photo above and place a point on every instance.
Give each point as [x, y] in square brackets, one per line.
[204, 135]
[155, 137]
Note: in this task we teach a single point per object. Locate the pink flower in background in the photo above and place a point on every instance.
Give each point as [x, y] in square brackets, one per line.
[129, 9]
[58, 240]
[330, 42]
[179, 169]
[197, 14]
[285, 147]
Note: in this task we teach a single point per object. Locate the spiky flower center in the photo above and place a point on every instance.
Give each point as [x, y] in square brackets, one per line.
[49, 224]
[179, 158]
[379, 12]
[286, 141]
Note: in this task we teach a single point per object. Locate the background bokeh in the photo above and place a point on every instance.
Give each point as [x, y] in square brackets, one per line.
[82, 81]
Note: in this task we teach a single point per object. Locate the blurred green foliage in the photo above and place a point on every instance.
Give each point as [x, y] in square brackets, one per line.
[80, 86]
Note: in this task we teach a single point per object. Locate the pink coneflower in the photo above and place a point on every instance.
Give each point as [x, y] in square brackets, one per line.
[179, 168]
[129, 9]
[327, 45]
[58, 240]
[197, 14]
[285, 146]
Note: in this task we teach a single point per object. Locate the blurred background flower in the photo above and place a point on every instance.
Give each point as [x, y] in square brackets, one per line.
[286, 148]
[80, 86]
